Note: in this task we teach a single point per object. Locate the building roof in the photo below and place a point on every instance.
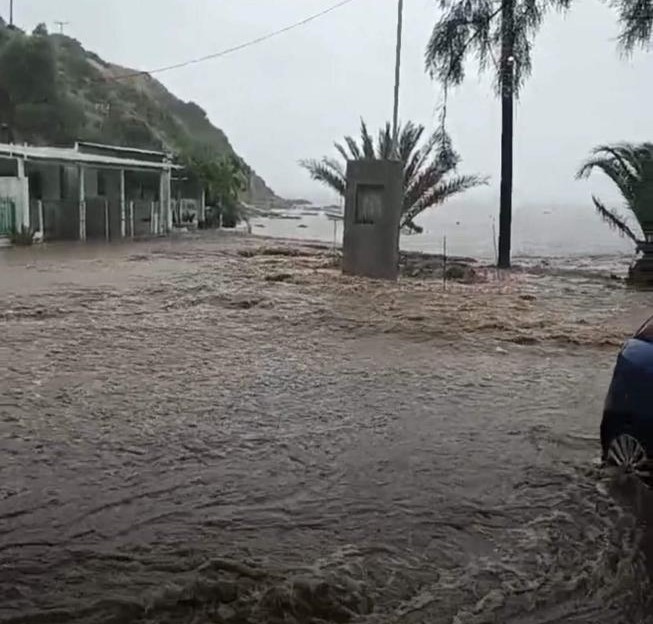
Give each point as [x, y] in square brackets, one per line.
[68, 155]
[120, 148]
[120, 151]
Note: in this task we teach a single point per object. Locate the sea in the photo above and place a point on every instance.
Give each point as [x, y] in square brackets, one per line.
[569, 236]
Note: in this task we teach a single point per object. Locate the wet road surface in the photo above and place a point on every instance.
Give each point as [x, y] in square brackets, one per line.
[184, 441]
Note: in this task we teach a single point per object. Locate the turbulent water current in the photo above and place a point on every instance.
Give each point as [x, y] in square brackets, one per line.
[190, 432]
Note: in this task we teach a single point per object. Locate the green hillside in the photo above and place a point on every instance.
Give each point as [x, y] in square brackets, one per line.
[53, 91]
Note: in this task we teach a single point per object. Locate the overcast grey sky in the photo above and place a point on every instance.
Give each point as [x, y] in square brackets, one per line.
[290, 97]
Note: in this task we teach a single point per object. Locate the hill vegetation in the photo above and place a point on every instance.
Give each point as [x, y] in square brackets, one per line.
[53, 91]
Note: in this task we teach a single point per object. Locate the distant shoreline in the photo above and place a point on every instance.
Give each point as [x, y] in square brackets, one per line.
[293, 231]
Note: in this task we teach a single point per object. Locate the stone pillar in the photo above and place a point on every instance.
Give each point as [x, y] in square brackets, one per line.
[168, 202]
[22, 207]
[81, 171]
[41, 219]
[202, 215]
[107, 223]
[165, 199]
[373, 205]
[123, 228]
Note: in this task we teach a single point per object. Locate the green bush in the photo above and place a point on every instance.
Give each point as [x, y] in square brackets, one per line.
[41, 30]
[28, 69]
[223, 179]
[37, 104]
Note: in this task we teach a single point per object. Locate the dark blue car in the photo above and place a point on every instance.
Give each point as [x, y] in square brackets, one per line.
[627, 426]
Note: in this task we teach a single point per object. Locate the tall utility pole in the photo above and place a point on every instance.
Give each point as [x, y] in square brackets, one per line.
[11, 12]
[61, 26]
[395, 114]
[507, 99]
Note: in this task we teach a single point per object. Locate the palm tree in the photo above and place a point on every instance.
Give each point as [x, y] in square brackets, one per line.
[481, 29]
[630, 167]
[428, 168]
[636, 20]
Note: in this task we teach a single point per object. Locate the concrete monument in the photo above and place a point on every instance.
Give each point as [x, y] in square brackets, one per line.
[373, 206]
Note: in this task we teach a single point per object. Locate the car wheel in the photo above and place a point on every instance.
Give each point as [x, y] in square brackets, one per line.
[626, 453]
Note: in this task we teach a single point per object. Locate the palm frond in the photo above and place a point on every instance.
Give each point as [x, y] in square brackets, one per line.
[472, 29]
[636, 20]
[447, 157]
[411, 226]
[427, 168]
[437, 149]
[367, 142]
[408, 140]
[623, 179]
[384, 143]
[335, 166]
[342, 151]
[457, 185]
[465, 29]
[614, 220]
[625, 155]
[324, 171]
[426, 179]
[354, 150]
[439, 193]
[630, 167]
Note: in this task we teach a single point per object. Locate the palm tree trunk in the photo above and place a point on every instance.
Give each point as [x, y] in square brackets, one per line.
[507, 100]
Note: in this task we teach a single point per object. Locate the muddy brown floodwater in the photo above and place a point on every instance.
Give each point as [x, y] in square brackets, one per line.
[201, 430]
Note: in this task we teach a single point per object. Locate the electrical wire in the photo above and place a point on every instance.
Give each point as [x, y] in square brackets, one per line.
[236, 48]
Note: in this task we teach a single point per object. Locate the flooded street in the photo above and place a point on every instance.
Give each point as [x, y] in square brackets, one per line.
[197, 431]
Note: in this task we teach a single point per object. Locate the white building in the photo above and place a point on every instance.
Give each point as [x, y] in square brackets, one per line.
[87, 191]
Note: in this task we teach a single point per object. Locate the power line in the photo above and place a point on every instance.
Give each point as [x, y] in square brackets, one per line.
[395, 112]
[239, 47]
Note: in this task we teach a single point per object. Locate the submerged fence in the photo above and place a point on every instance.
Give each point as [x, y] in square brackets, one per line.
[103, 219]
[7, 216]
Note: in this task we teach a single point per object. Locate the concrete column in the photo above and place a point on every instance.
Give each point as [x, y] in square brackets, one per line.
[168, 200]
[165, 198]
[82, 202]
[202, 215]
[122, 204]
[162, 190]
[22, 207]
[131, 219]
[41, 219]
[107, 231]
[152, 228]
